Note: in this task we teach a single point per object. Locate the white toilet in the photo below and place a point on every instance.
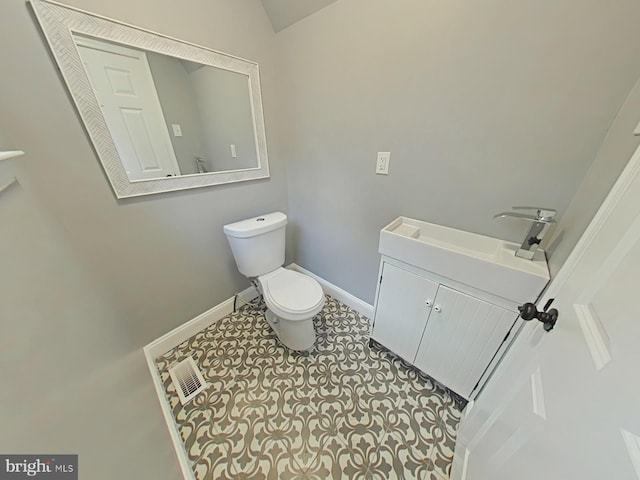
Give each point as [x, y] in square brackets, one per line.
[292, 298]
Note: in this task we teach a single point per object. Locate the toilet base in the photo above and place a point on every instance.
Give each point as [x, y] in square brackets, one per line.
[296, 335]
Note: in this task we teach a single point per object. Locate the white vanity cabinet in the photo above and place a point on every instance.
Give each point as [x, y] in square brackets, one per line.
[461, 336]
[448, 300]
[404, 303]
[447, 333]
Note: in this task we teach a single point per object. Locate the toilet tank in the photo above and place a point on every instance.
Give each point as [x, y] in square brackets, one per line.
[258, 243]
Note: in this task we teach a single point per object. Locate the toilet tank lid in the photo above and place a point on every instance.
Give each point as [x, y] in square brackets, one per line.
[256, 225]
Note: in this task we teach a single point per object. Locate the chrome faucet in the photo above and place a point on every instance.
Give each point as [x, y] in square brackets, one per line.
[540, 223]
[200, 165]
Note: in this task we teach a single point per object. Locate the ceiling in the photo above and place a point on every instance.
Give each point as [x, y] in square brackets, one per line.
[283, 13]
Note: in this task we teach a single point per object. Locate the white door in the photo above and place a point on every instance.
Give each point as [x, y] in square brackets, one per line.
[402, 309]
[566, 404]
[123, 84]
[462, 335]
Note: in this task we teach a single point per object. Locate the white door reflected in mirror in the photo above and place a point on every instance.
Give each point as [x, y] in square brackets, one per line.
[163, 115]
[123, 84]
[145, 95]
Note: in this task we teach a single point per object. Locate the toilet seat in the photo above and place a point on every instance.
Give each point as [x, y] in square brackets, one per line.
[291, 295]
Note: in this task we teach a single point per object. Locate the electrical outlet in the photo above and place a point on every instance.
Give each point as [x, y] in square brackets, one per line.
[177, 129]
[233, 150]
[382, 163]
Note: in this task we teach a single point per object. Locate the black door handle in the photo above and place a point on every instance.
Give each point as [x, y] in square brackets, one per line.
[528, 311]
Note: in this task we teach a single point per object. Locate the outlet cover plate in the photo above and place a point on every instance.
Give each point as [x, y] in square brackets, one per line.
[382, 163]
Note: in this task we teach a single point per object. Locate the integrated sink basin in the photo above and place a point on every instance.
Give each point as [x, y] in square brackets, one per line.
[485, 263]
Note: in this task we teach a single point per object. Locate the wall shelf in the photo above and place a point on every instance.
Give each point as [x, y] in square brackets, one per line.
[10, 154]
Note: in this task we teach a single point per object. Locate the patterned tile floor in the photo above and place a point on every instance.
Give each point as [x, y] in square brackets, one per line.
[344, 410]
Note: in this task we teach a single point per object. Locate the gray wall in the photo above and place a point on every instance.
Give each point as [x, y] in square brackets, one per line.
[285, 12]
[483, 105]
[612, 157]
[93, 279]
[179, 106]
[224, 106]
[161, 259]
[73, 381]
[213, 108]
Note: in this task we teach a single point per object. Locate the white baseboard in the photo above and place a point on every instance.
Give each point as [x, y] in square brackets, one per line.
[187, 330]
[339, 294]
[178, 335]
[174, 338]
[183, 460]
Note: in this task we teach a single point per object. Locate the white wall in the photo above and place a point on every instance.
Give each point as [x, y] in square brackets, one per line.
[483, 105]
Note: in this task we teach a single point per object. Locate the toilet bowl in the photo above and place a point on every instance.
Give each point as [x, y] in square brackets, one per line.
[292, 298]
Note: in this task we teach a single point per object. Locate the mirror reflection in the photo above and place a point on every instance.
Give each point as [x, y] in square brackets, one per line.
[163, 114]
[170, 116]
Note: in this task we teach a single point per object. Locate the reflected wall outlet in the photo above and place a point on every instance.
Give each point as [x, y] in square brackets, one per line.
[382, 164]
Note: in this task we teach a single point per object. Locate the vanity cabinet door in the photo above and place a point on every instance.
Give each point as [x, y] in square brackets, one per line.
[461, 337]
[402, 310]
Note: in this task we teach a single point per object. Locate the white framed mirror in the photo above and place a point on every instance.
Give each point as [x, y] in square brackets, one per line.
[162, 114]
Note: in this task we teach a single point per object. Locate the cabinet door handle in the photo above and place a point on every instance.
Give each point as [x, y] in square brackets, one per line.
[437, 309]
[428, 303]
